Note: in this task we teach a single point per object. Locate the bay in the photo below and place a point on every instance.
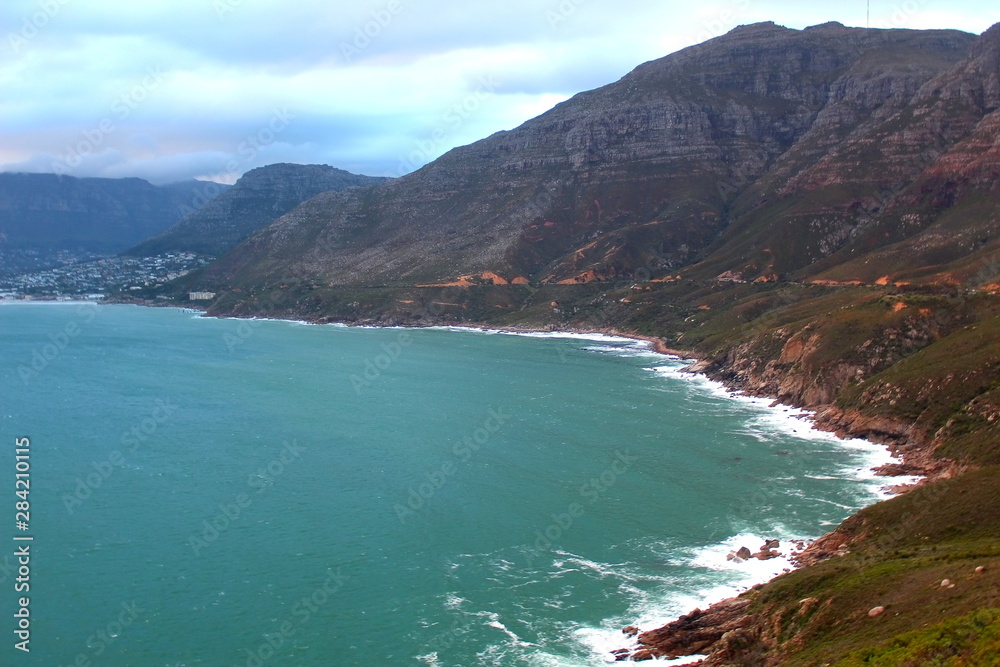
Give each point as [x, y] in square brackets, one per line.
[230, 492]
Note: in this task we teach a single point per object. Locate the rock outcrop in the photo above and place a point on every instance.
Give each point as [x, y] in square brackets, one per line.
[692, 634]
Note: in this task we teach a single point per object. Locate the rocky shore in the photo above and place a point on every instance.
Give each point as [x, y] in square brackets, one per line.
[711, 631]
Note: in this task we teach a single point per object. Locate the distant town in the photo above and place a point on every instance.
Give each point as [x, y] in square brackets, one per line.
[95, 277]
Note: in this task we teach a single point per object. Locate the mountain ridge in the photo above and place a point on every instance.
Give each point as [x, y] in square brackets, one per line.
[653, 159]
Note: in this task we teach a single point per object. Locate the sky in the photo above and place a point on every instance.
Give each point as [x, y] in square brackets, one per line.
[169, 90]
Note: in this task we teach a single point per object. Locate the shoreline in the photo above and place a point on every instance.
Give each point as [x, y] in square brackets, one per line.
[725, 613]
[816, 549]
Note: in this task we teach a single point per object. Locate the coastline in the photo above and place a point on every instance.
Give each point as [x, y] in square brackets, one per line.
[719, 614]
[702, 627]
[722, 611]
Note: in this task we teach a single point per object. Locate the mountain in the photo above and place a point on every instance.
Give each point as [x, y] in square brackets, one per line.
[260, 196]
[880, 191]
[45, 213]
[658, 165]
[813, 215]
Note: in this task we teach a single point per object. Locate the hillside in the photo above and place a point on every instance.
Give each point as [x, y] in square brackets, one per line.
[813, 214]
[258, 198]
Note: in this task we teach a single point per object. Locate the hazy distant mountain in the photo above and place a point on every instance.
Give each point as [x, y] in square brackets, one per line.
[45, 212]
[257, 199]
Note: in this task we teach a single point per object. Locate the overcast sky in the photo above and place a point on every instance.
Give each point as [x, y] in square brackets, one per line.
[174, 89]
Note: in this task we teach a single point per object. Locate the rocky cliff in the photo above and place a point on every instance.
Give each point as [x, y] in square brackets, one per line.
[260, 196]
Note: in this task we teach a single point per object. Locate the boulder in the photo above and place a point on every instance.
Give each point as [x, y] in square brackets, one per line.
[630, 630]
[743, 553]
[876, 611]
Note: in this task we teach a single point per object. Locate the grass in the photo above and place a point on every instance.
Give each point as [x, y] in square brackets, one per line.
[899, 553]
[972, 640]
[952, 384]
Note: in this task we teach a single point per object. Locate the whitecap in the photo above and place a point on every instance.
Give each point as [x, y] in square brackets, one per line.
[453, 601]
[429, 658]
[769, 419]
[640, 348]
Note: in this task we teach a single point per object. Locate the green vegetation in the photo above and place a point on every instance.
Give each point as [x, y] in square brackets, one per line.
[971, 640]
[899, 553]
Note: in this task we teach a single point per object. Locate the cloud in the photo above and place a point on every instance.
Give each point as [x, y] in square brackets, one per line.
[169, 90]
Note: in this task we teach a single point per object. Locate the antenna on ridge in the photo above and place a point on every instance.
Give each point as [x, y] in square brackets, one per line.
[868, 15]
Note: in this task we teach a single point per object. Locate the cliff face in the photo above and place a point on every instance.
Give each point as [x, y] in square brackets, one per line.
[892, 197]
[45, 212]
[683, 157]
[904, 356]
[257, 199]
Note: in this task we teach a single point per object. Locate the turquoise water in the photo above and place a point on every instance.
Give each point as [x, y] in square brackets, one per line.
[225, 492]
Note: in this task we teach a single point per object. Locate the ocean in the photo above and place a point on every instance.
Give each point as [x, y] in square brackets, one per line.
[247, 492]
